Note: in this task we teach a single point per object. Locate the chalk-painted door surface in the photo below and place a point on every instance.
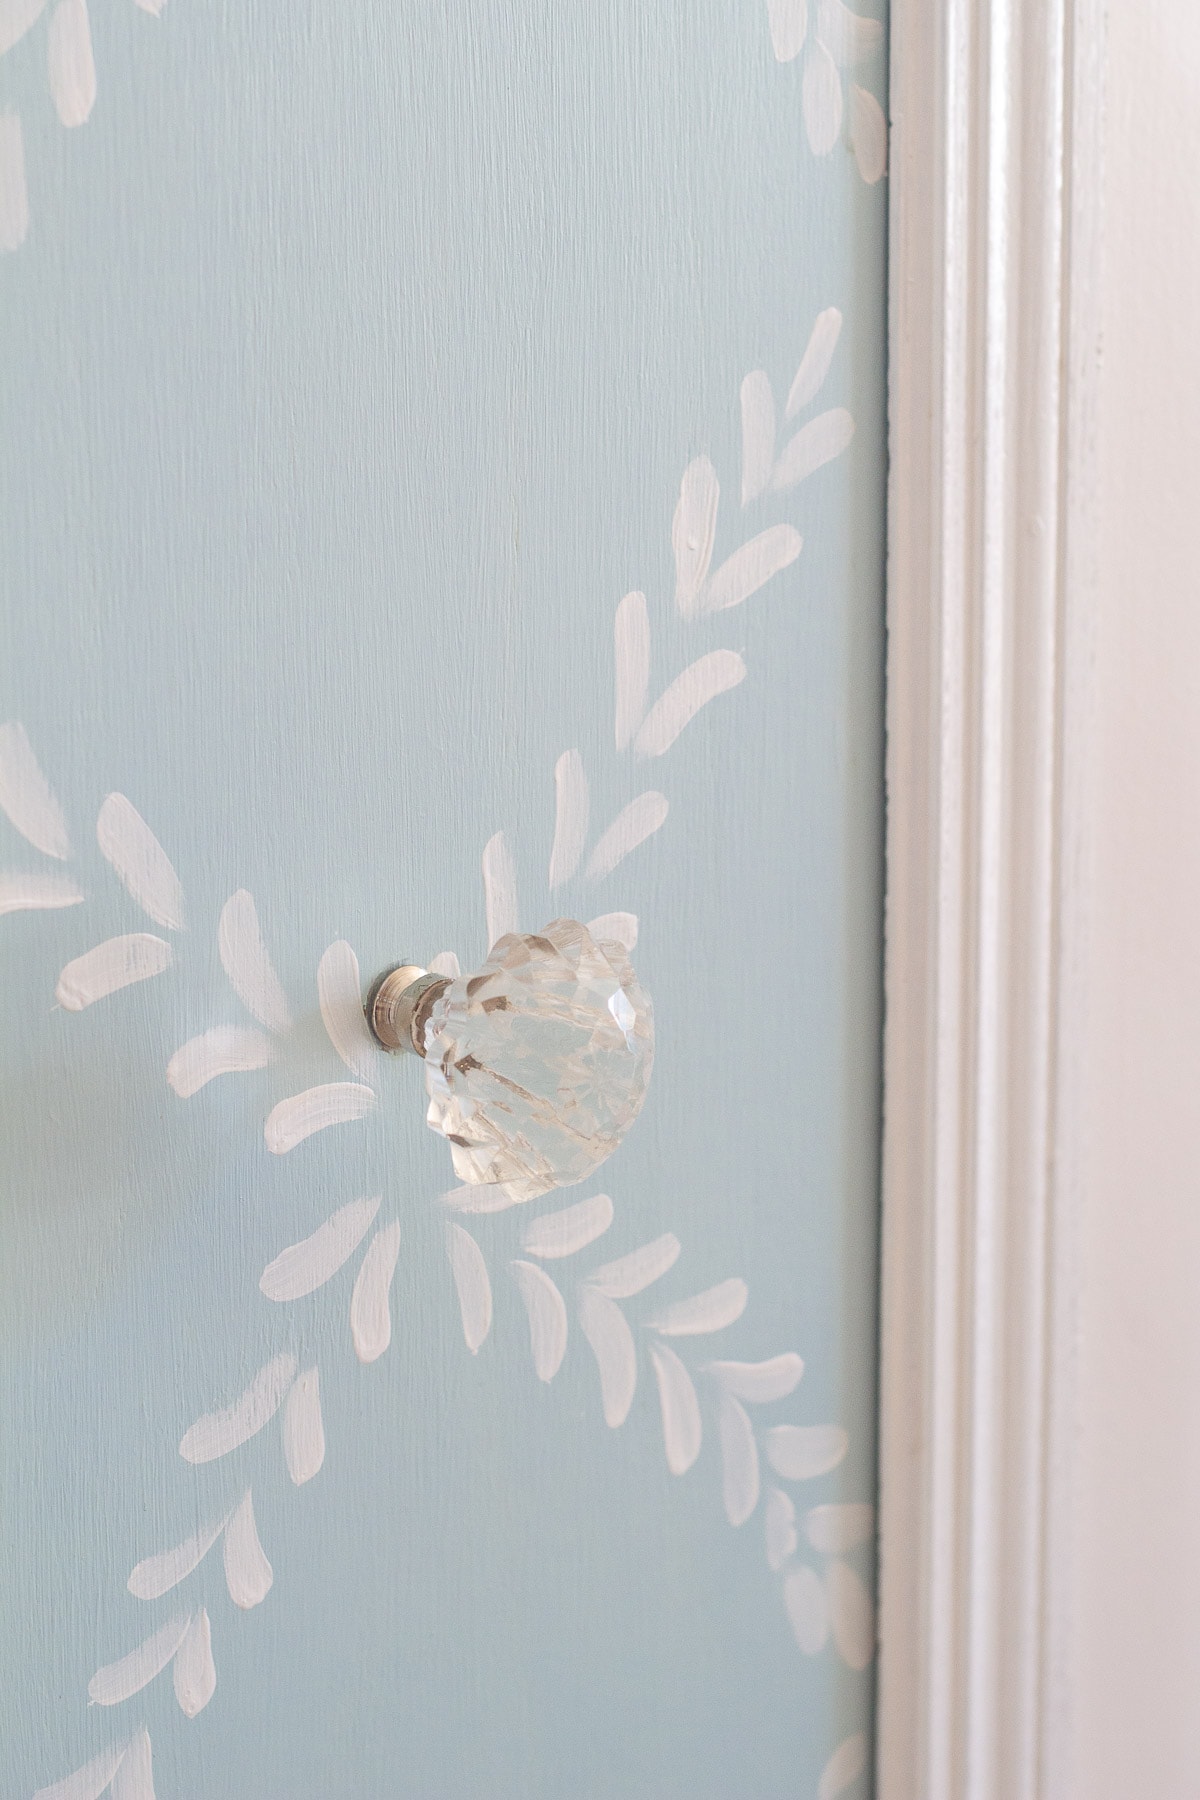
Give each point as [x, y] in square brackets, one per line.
[443, 460]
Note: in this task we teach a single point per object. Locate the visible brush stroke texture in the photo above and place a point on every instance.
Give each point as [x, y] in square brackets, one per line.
[844, 1767]
[547, 1316]
[14, 196]
[115, 964]
[712, 1310]
[701, 682]
[304, 1428]
[868, 135]
[848, 38]
[631, 1274]
[71, 64]
[222, 1050]
[851, 1614]
[807, 1609]
[788, 20]
[834, 1529]
[244, 959]
[680, 1409]
[814, 364]
[780, 1528]
[482, 1197]
[569, 1231]
[606, 1329]
[134, 1779]
[304, 1267]
[370, 1302]
[615, 927]
[248, 1574]
[195, 1672]
[217, 1433]
[739, 1460]
[120, 1680]
[759, 1382]
[693, 531]
[821, 94]
[472, 1285]
[316, 1109]
[570, 817]
[87, 1783]
[157, 1575]
[339, 992]
[128, 843]
[631, 647]
[800, 1452]
[639, 820]
[751, 567]
[16, 18]
[445, 963]
[24, 791]
[758, 435]
[499, 889]
[814, 444]
[36, 893]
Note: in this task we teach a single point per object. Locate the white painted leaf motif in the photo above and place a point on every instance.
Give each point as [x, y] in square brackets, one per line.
[117, 963]
[701, 682]
[481, 1197]
[316, 1109]
[121, 1680]
[222, 1050]
[245, 961]
[339, 992]
[445, 963]
[134, 1779]
[680, 1409]
[739, 1460]
[304, 1428]
[759, 1382]
[631, 646]
[631, 1274]
[821, 95]
[789, 25]
[153, 7]
[868, 135]
[155, 1576]
[14, 224]
[195, 1673]
[25, 794]
[248, 1574]
[758, 435]
[547, 1316]
[87, 1783]
[631, 827]
[851, 1615]
[71, 64]
[834, 1529]
[807, 1610]
[570, 817]
[780, 1526]
[217, 1433]
[370, 1302]
[304, 1267]
[799, 1452]
[712, 1310]
[499, 889]
[751, 567]
[844, 1767]
[569, 1231]
[693, 531]
[36, 893]
[16, 18]
[813, 446]
[606, 1329]
[131, 848]
[472, 1285]
[615, 928]
[814, 364]
[847, 37]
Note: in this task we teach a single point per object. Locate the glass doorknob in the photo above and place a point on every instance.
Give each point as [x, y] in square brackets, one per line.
[537, 1065]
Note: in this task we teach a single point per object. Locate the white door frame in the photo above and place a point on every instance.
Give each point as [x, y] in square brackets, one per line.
[996, 111]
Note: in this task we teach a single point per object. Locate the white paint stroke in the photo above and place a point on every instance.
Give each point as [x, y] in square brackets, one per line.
[759, 1382]
[222, 1050]
[445, 963]
[758, 435]
[244, 959]
[693, 531]
[615, 928]
[499, 889]
[847, 36]
[370, 1302]
[868, 135]
[153, 7]
[16, 18]
[630, 1274]
[121, 1680]
[789, 26]
[813, 446]
[36, 893]
[472, 1285]
[780, 1528]
[89, 1782]
[844, 1767]
[606, 1329]
[814, 364]
[821, 99]
[547, 1316]
[800, 1452]
[72, 67]
[195, 1673]
[712, 1310]
[117, 963]
[851, 1614]
[631, 651]
[482, 1197]
[25, 794]
[134, 1779]
[751, 567]
[680, 1409]
[132, 849]
[836, 1528]
[14, 195]
[155, 1576]
[217, 1433]
[571, 808]
[739, 1460]
[807, 1608]
[699, 683]
[316, 1109]
[567, 1232]
[248, 1574]
[631, 827]
[339, 991]
[304, 1428]
[304, 1267]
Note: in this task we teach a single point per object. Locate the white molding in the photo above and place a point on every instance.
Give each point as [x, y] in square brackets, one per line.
[995, 126]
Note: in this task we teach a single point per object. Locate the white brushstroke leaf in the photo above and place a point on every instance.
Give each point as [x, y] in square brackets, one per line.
[248, 1574]
[631, 827]
[693, 531]
[844, 1767]
[807, 1608]
[370, 1302]
[89, 1782]
[25, 794]
[304, 1267]
[851, 1615]
[615, 928]
[499, 889]
[631, 648]
[195, 1673]
[36, 893]
[482, 1197]
[547, 1315]
[847, 36]
[304, 1428]
[814, 445]
[821, 99]
[222, 1050]
[789, 26]
[155, 1576]
[868, 135]
[567, 1232]
[115, 964]
[70, 62]
[472, 1285]
[780, 1528]
[750, 568]
[739, 1460]
[800, 1452]
[758, 435]
[339, 992]
[217, 1433]
[840, 1527]
[445, 963]
[316, 1109]
[131, 848]
[121, 1680]
[701, 682]
[712, 1310]
[134, 1779]
[814, 364]
[245, 961]
[759, 1382]
[633, 1273]
[680, 1409]
[571, 809]
[606, 1329]
[14, 212]
[16, 18]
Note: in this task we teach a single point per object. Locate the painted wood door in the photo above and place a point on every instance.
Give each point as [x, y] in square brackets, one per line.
[443, 459]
